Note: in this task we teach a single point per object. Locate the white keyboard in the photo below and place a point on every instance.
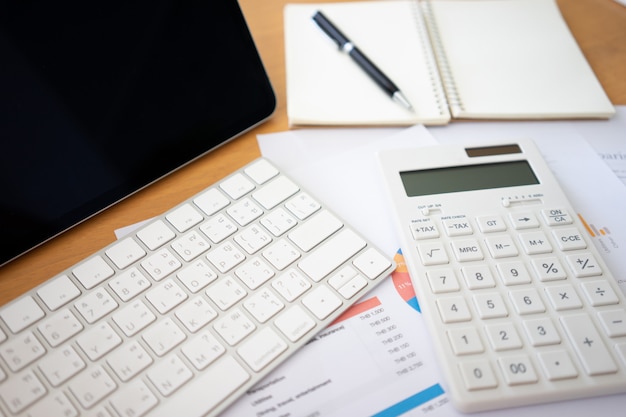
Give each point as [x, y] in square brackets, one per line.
[521, 307]
[186, 314]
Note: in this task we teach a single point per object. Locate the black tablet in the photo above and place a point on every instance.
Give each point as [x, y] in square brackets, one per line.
[99, 99]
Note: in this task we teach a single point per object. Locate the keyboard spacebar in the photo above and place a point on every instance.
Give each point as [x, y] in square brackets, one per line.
[332, 254]
[204, 393]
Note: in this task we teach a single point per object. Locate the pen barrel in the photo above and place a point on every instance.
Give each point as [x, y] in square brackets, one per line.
[373, 71]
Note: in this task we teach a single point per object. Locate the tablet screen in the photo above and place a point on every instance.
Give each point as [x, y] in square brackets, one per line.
[100, 99]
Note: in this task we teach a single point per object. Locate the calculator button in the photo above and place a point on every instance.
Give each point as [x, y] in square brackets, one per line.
[518, 370]
[557, 365]
[423, 228]
[513, 273]
[490, 305]
[587, 343]
[453, 309]
[467, 250]
[442, 280]
[599, 293]
[501, 246]
[535, 242]
[569, 239]
[524, 221]
[563, 297]
[465, 341]
[541, 332]
[490, 224]
[458, 227]
[432, 253]
[556, 217]
[478, 375]
[614, 322]
[549, 269]
[478, 276]
[584, 265]
[527, 301]
[503, 337]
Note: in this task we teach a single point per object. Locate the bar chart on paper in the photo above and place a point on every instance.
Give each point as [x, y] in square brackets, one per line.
[607, 244]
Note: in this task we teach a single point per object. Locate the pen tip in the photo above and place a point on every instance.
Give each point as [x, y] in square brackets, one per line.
[399, 97]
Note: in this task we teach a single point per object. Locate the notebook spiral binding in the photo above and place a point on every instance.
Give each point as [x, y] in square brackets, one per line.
[453, 98]
[433, 74]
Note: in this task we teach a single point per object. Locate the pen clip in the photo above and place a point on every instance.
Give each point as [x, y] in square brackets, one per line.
[331, 30]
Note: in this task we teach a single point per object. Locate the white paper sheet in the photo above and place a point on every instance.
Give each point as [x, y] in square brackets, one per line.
[339, 180]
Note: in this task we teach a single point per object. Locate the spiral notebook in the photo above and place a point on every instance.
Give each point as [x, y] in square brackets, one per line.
[453, 59]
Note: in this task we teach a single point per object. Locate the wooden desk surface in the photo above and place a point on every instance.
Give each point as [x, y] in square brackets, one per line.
[599, 26]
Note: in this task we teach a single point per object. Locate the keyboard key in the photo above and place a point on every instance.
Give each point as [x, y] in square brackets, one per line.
[22, 391]
[236, 186]
[275, 192]
[21, 314]
[21, 351]
[261, 171]
[184, 217]
[91, 387]
[294, 323]
[58, 292]
[98, 341]
[198, 304]
[95, 305]
[125, 252]
[314, 231]
[321, 302]
[227, 371]
[129, 360]
[92, 272]
[155, 235]
[135, 399]
[60, 327]
[170, 374]
[332, 253]
[133, 318]
[60, 365]
[54, 405]
[203, 350]
[261, 349]
[211, 201]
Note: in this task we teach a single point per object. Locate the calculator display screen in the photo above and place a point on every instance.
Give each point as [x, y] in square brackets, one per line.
[468, 178]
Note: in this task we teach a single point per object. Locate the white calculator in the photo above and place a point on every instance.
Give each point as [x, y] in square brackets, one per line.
[521, 307]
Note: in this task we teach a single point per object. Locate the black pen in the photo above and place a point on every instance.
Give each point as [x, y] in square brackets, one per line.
[368, 66]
